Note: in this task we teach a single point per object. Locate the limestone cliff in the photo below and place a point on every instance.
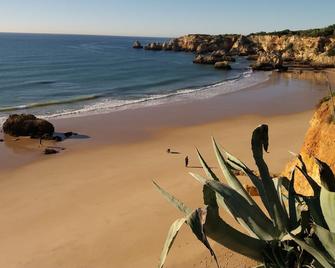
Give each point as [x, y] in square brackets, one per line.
[319, 142]
[312, 51]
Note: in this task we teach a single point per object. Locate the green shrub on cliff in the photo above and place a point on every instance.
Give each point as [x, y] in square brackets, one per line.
[295, 230]
[318, 32]
[331, 52]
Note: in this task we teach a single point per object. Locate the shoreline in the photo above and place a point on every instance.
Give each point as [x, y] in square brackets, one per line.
[140, 124]
[244, 80]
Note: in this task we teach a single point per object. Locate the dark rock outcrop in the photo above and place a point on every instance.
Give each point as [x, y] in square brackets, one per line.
[50, 151]
[68, 134]
[27, 125]
[137, 44]
[57, 138]
[212, 58]
[243, 47]
[153, 46]
[268, 61]
[224, 65]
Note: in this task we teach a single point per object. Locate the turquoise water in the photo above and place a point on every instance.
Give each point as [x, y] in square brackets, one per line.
[62, 75]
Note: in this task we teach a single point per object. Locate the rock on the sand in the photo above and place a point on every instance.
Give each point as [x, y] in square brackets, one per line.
[27, 125]
[50, 151]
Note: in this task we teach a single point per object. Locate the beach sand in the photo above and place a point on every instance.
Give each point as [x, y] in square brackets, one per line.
[94, 205]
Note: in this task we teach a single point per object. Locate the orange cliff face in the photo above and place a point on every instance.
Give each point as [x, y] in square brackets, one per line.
[317, 50]
[320, 143]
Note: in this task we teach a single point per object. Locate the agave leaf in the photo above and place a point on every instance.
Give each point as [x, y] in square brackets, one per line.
[196, 221]
[209, 197]
[292, 203]
[318, 255]
[259, 141]
[285, 182]
[236, 163]
[209, 173]
[316, 188]
[299, 157]
[327, 194]
[173, 200]
[278, 182]
[224, 234]
[326, 175]
[246, 214]
[173, 231]
[315, 209]
[327, 202]
[207, 188]
[327, 239]
[231, 179]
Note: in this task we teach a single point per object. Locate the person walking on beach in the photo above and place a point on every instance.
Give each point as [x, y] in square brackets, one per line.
[186, 161]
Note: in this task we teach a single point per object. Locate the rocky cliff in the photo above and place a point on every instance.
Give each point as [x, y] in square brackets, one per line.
[291, 49]
[319, 142]
[318, 51]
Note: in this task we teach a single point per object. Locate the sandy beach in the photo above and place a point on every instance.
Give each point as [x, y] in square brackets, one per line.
[94, 205]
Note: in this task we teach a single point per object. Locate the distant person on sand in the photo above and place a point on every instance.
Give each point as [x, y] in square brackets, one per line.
[186, 161]
[168, 150]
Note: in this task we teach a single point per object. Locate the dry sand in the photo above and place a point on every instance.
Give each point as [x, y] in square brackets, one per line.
[96, 207]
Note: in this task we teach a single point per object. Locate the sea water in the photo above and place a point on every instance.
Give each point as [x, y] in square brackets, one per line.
[74, 75]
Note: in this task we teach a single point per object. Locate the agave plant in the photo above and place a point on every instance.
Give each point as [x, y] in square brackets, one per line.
[293, 231]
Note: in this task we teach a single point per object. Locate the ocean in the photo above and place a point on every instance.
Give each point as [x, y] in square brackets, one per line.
[73, 75]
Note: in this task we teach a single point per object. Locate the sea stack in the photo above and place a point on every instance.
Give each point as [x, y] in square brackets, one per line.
[137, 44]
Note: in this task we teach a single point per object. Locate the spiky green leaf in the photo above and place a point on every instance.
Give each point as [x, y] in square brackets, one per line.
[224, 234]
[246, 214]
[318, 255]
[239, 165]
[208, 171]
[327, 239]
[327, 202]
[173, 200]
[196, 221]
[231, 179]
[259, 141]
[173, 231]
[292, 203]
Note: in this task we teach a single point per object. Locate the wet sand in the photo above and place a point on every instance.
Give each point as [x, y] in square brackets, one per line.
[285, 93]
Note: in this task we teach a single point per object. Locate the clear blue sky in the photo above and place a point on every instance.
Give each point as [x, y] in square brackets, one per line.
[162, 17]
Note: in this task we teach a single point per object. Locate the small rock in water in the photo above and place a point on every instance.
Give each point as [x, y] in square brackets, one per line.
[68, 134]
[137, 44]
[50, 151]
[57, 138]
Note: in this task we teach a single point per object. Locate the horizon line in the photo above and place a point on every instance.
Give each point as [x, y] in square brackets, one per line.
[85, 34]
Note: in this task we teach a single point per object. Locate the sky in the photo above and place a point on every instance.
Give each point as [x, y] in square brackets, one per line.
[170, 18]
